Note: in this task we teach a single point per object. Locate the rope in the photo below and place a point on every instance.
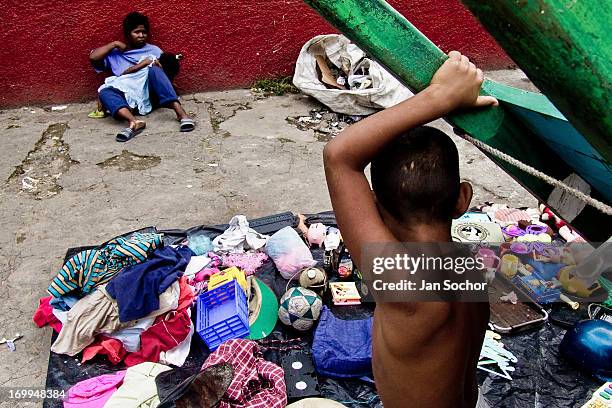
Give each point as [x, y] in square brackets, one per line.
[604, 208]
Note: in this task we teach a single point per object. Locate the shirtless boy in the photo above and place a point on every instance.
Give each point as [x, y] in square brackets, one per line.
[424, 354]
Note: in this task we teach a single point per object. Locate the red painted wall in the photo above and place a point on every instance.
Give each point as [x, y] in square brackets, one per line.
[45, 44]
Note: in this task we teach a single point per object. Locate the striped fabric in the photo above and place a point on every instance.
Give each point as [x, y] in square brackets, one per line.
[87, 269]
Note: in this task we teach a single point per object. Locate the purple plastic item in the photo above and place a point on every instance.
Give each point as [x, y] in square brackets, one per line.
[539, 247]
[536, 229]
[513, 231]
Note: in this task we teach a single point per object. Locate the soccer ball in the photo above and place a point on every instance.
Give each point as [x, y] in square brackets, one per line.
[299, 308]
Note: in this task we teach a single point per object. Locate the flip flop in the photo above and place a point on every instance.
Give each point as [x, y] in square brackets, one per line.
[97, 114]
[187, 125]
[128, 133]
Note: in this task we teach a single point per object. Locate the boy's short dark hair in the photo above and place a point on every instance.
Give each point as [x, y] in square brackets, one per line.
[133, 20]
[416, 177]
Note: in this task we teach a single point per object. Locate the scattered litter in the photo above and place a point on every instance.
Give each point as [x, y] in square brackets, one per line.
[59, 108]
[509, 297]
[494, 355]
[10, 343]
[29, 183]
[213, 164]
[324, 122]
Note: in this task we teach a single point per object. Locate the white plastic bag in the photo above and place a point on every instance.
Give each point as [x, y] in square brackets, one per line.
[289, 253]
[384, 92]
[239, 237]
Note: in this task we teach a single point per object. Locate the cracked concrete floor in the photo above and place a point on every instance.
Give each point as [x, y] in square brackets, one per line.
[82, 188]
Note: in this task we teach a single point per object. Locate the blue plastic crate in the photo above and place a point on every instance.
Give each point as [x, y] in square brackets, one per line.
[222, 314]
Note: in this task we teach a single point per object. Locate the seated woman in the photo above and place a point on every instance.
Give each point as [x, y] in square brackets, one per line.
[125, 91]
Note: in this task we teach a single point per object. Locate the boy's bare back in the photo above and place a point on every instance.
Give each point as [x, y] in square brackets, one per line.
[424, 354]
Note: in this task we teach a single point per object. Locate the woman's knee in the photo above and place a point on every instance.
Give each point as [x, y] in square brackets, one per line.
[112, 100]
[157, 73]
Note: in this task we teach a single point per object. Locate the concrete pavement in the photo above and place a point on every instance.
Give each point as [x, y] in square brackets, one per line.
[65, 182]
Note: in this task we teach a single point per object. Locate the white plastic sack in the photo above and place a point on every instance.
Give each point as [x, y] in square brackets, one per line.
[289, 253]
[385, 92]
[239, 237]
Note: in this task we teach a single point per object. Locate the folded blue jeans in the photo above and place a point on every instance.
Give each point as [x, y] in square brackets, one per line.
[161, 93]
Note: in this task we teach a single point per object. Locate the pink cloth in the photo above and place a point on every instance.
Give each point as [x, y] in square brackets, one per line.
[205, 274]
[93, 392]
[248, 262]
[44, 315]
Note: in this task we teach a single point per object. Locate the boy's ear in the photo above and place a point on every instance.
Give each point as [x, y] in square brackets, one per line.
[463, 200]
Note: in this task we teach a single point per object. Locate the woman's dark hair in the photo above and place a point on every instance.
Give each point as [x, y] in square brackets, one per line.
[133, 20]
[170, 64]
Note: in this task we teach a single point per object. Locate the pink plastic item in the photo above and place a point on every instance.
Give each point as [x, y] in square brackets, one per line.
[205, 274]
[316, 234]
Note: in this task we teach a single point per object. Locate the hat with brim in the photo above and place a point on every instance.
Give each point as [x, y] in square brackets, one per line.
[263, 309]
[203, 389]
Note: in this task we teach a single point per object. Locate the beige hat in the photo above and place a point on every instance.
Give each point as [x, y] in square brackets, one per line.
[316, 403]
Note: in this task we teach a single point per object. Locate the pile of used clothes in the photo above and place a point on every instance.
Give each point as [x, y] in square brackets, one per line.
[127, 300]
[127, 310]
[132, 301]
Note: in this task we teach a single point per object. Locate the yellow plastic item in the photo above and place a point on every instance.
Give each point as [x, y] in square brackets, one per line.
[227, 275]
[509, 265]
[543, 237]
[575, 285]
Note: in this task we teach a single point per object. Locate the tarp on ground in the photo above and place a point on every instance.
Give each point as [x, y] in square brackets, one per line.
[541, 379]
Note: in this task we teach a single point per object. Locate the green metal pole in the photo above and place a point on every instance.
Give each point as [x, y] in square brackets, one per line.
[565, 47]
[393, 41]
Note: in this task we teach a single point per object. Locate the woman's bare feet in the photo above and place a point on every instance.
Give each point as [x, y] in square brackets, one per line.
[137, 125]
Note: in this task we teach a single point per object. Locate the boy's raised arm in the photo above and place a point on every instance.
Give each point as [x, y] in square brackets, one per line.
[455, 85]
